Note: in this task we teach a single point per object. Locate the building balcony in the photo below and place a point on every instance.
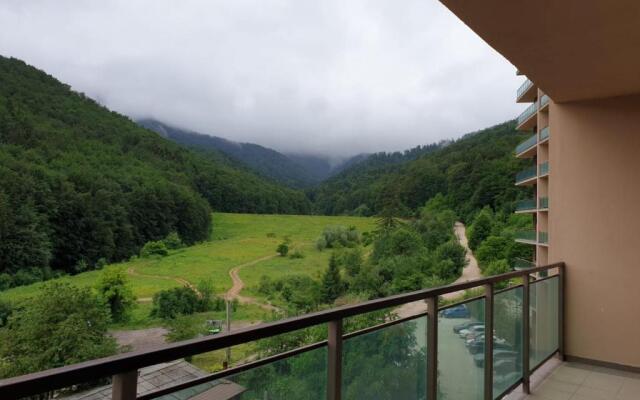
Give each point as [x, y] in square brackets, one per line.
[527, 120]
[520, 264]
[437, 352]
[544, 135]
[527, 177]
[527, 149]
[527, 92]
[524, 206]
[528, 237]
[544, 102]
[543, 238]
[543, 169]
[543, 203]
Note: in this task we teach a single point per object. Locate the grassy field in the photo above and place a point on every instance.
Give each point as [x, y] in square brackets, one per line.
[236, 239]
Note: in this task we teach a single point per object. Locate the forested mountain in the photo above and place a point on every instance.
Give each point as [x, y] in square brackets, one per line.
[262, 160]
[79, 183]
[475, 171]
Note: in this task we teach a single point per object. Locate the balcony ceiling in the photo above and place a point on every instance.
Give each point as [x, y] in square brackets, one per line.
[572, 49]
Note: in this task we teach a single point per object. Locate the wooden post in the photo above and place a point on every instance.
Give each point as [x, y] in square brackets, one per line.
[228, 350]
[488, 341]
[334, 367]
[125, 386]
[432, 348]
[526, 335]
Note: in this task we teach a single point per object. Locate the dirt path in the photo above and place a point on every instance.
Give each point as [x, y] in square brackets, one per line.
[181, 281]
[470, 272]
[238, 285]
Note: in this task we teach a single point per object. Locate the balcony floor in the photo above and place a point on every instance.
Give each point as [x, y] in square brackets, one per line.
[575, 381]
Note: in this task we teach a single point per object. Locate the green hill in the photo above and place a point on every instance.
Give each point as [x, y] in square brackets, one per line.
[475, 171]
[79, 182]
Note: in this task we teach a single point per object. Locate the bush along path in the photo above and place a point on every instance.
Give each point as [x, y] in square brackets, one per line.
[470, 272]
[238, 285]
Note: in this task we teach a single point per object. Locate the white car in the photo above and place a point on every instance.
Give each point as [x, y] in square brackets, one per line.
[473, 331]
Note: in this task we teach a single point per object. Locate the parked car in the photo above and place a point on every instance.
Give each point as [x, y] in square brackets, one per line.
[498, 355]
[459, 311]
[477, 345]
[471, 332]
[466, 325]
[505, 367]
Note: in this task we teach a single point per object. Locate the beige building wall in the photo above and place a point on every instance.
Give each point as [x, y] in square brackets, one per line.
[594, 224]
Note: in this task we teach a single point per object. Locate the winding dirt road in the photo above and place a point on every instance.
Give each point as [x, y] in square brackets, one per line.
[470, 272]
[238, 285]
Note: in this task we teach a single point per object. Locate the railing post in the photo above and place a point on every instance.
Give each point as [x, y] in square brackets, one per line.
[432, 348]
[125, 386]
[488, 341]
[526, 335]
[561, 278]
[334, 367]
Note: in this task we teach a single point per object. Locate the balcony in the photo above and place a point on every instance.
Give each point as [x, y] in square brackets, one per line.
[543, 203]
[527, 120]
[527, 177]
[520, 264]
[544, 102]
[528, 237]
[527, 148]
[543, 238]
[544, 135]
[543, 169]
[524, 206]
[432, 357]
[526, 92]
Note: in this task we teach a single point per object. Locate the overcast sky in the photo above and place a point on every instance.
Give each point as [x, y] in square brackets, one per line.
[326, 77]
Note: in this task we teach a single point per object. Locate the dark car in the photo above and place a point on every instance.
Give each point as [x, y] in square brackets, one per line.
[460, 311]
[477, 346]
[498, 355]
[466, 325]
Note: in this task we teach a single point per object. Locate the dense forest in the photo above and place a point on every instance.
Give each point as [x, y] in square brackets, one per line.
[81, 185]
[472, 172]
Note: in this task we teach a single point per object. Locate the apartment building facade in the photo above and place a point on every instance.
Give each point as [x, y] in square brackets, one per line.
[582, 61]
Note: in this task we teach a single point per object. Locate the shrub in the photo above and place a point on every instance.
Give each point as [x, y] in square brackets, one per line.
[321, 244]
[154, 248]
[168, 304]
[113, 288]
[101, 263]
[338, 236]
[296, 254]
[173, 241]
[283, 249]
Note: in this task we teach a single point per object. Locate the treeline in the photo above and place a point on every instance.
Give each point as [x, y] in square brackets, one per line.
[472, 172]
[79, 183]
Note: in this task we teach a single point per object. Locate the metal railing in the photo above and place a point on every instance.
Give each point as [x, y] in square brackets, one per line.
[526, 85]
[526, 174]
[526, 205]
[531, 297]
[544, 133]
[527, 144]
[527, 113]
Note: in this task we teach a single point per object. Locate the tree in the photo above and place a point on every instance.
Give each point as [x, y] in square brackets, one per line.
[154, 248]
[170, 303]
[61, 325]
[332, 286]
[114, 289]
[283, 249]
[492, 249]
[498, 267]
[454, 252]
[481, 228]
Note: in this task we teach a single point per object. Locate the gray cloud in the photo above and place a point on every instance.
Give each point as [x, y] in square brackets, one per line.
[328, 76]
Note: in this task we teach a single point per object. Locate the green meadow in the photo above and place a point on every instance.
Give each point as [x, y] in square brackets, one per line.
[236, 239]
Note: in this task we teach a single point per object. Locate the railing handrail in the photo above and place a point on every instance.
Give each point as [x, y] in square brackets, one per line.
[523, 88]
[527, 144]
[43, 381]
[527, 113]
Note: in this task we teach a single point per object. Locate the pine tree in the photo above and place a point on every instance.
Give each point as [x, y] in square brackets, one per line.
[332, 286]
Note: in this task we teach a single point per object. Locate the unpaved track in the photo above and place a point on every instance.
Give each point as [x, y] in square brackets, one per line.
[470, 272]
[238, 285]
